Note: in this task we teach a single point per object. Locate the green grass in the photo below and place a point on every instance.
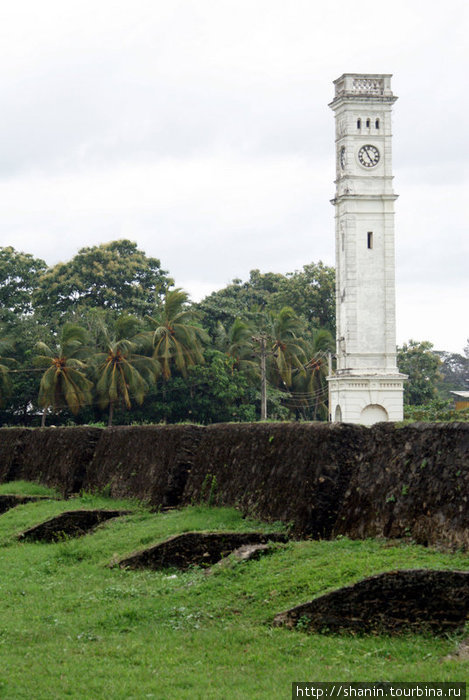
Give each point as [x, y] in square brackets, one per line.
[27, 488]
[71, 627]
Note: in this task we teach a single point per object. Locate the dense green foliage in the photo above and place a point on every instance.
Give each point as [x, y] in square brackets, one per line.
[179, 361]
[175, 336]
[19, 278]
[454, 371]
[115, 276]
[123, 374]
[436, 410]
[73, 627]
[421, 366]
[311, 292]
[64, 382]
[252, 349]
[6, 347]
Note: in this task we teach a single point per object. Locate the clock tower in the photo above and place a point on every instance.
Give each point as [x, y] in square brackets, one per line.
[366, 386]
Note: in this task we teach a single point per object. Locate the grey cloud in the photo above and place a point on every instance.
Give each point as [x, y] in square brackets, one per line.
[96, 109]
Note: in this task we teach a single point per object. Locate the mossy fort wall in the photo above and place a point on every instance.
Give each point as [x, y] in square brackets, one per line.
[295, 472]
[324, 480]
[412, 481]
[148, 462]
[12, 441]
[57, 457]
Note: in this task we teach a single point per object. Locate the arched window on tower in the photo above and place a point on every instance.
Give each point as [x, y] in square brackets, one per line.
[368, 123]
[359, 123]
[377, 124]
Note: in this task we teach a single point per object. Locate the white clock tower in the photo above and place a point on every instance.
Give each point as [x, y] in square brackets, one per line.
[366, 387]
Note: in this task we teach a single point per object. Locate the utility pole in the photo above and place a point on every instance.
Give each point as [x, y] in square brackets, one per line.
[263, 344]
[262, 340]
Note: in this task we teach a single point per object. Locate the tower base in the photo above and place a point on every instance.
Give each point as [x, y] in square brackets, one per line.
[366, 399]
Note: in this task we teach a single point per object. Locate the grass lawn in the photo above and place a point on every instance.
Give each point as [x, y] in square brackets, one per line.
[27, 488]
[71, 627]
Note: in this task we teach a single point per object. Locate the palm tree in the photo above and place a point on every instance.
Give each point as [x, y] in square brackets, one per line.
[64, 382]
[309, 389]
[280, 349]
[238, 344]
[123, 373]
[287, 345]
[175, 336]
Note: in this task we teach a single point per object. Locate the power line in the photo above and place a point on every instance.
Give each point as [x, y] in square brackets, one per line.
[19, 371]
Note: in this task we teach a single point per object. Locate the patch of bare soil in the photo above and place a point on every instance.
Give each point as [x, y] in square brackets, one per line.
[393, 602]
[195, 549]
[73, 523]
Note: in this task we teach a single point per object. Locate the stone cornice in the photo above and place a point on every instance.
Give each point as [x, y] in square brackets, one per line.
[364, 197]
[362, 99]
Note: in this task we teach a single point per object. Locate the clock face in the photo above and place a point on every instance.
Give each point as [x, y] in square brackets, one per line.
[368, 156]
[342, 158]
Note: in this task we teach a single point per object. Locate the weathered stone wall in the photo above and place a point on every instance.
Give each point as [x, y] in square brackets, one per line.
[295, 472]
[412, 481]
[11, 445]
[149, 462]
[57, 457]
[324, 480]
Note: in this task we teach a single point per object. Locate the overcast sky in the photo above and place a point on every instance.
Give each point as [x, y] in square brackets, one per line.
[200, 129]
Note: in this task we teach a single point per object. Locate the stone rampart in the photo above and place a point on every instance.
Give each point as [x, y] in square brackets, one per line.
[323, 480]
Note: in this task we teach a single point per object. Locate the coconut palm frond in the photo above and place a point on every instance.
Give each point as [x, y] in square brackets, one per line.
[64, 382]
[177, 339]
[124, 375]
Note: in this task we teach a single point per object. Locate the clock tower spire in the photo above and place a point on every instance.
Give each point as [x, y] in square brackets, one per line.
[367, 386]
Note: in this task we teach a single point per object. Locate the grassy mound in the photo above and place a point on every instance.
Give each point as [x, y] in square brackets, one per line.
[28, 488]
[70, 626]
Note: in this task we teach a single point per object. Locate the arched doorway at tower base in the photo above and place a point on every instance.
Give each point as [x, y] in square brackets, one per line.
[373, 413]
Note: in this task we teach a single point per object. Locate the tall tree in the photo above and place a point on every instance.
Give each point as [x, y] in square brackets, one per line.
[422, 366]
[311, 292]
[19, 279]
[309, 391]
[21, 405]
[237, 342]
[116, 276]
[287, 346]
[238, 300]
[64, 383]
[176, 337]
[454, 371]
[210, 393]
[124, 373]
[279, 349]
[269, 350]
